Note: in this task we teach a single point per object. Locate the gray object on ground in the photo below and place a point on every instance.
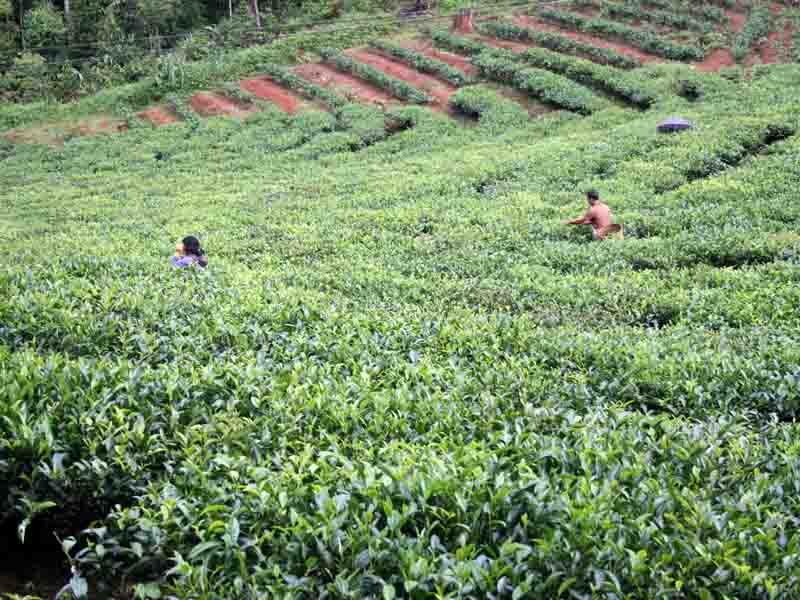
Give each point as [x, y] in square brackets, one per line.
[674, 124]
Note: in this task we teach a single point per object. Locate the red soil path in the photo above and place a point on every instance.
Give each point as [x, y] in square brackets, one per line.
[454, 60]
[158, 115]
[347, 84]
[207, 104]
[723, 57]
[55, 134]
[532, 23]
[438, 90]
[264, 88]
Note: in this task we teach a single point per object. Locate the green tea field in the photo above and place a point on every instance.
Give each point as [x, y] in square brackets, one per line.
[402, 375]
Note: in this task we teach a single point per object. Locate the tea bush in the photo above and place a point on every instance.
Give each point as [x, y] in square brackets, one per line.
[558, 43]
[396, 87]
[757, 27]
[647, 41]
[548, 87]
[634, 12]
[401, 375]
[423, 63]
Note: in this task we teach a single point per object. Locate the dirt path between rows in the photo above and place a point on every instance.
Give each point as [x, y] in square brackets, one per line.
[55, 134]
[208, 104]
[532, 23]
[454, 60]
[778, 45]
[158, 115]
[347, 85]
[435, 88]
[266, 89]
[723, 57]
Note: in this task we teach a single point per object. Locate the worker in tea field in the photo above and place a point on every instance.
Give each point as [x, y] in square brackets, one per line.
[188, 252]
[598, 216]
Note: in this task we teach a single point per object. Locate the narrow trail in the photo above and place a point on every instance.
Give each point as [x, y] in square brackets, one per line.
[533, 23]
[439, 90]
[209, 104]
[347, 85]
[266, 89]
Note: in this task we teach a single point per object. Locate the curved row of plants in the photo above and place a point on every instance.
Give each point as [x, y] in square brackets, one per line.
[305, 88]
[423, 63]
[493, 112]
[558, 43]
[632, 12]
[700, 10]
[644, 40]
[549, 87]
[630, 87]
[396, 87]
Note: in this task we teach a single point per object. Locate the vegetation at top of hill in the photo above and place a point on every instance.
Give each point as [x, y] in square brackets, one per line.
[401, 375]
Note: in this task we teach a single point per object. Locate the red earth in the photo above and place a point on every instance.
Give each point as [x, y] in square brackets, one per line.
[723, 57]
[208, 104]
[454, 60]
[438, 90]
[158, 115]
[771, 52]
[347, 85]
[264, 88]
[532, 23]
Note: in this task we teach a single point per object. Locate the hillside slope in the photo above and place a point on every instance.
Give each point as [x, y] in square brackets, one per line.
[402, 375]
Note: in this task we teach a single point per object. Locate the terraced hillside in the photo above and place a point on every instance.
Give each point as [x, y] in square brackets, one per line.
[402, 375]
[427, 70]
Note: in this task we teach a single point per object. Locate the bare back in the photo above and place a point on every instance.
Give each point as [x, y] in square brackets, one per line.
[598, 216]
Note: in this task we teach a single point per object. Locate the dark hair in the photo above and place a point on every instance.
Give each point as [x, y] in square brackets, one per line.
[191, 245]
[593, 195]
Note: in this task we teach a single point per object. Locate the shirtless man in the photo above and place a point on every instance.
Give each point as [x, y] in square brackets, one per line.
[598, 216]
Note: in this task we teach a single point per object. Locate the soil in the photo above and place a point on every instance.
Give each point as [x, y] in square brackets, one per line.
[454, 60]
[208, 104]
[266, 89]
[158, 115]
[723, 57]
[440, 91]
[347, 85]
[716, 60]
[55, 134]
[643, 57]
[778, 42]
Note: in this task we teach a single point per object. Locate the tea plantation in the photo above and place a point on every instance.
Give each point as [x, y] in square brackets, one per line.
[401, 376]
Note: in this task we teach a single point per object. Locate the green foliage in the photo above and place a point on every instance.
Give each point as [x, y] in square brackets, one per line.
[649, 42]
[495, 113]
[634, 12]
[456, 43]
[558, 43]
[401, 375]
[396, 87]
[44, 27]
[631, 87]
[423, 63]
[757, 27]
[305, 88]
[688, 7]
[548, 87]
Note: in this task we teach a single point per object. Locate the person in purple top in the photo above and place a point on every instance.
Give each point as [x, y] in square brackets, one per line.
[188, 252]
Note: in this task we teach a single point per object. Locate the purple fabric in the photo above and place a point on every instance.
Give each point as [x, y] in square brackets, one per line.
[179, 262]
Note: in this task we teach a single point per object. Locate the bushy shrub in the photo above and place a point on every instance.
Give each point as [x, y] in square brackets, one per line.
[756, 28]
[423, 63]
[558, 43]
[649, 42]
[396, 87]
